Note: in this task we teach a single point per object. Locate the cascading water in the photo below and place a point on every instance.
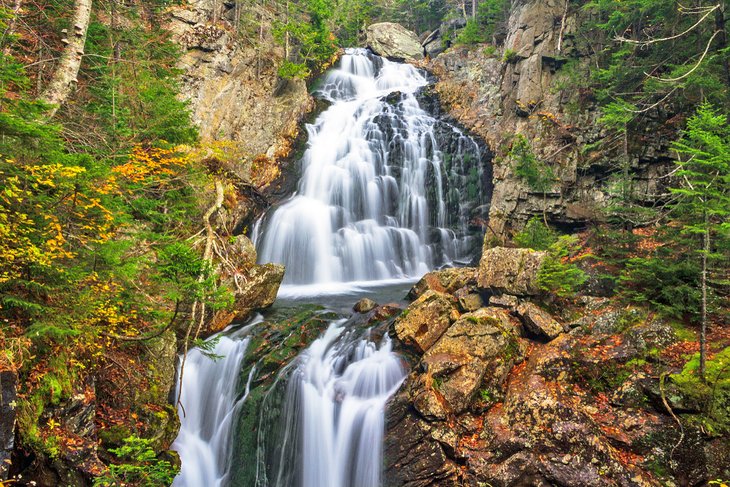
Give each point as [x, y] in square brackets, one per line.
[332, 420]
[375, 200]
[388, 191]
[209, 402]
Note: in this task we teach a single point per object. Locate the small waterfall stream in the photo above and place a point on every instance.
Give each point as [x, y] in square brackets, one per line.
[209, 402]
[332, 427]
[388, 192]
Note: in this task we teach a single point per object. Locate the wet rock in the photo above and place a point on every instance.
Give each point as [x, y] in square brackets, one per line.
[425, 320]
[383, 312]
[255, 288]
[394, 42]
[511, 271]
[444, 281]
[8, 398]
[538, 321]
[364, 305]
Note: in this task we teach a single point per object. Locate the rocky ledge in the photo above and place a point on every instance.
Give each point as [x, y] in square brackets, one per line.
[520, 389]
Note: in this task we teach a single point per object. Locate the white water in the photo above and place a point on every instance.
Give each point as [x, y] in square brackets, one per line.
[209, 404]
[334, 413]
[373, 206]
[371, 203]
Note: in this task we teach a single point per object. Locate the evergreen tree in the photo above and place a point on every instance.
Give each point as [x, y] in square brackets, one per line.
[703, 207]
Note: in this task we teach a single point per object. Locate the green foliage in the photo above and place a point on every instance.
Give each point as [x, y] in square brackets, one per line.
[669, 277]
[663, 280]
[704, 171]
[536, 235]
[491, 16]
[472, 33]
[538, 175]
[558, 274]
[713, 392]
[307, 32]
[510, 56]
[140, 466]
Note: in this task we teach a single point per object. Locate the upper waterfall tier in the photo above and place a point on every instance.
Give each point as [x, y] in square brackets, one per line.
[387, 190]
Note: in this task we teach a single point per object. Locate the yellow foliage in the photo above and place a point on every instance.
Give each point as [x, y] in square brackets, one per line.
[151, 164]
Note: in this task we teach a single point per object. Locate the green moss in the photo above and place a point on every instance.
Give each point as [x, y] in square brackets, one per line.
[713, 392]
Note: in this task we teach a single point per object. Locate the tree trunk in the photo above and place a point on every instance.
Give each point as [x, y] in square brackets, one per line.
[65, 75]
[703, 285]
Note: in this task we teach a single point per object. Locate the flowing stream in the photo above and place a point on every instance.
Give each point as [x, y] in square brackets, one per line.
[388, 191]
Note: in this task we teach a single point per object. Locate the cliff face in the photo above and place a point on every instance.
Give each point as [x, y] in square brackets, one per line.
[531, 87]
[230, 80]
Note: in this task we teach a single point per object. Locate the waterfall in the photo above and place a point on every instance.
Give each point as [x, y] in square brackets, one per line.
[209, 402]
[330, 432]
[378, 197]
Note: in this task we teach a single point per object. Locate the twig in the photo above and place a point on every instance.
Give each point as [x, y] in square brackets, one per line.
[654, 41]
[666, 405]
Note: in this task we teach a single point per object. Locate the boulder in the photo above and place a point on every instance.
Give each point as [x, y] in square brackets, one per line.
[393, 41]
[444, 281]
[538, 321]
[510, 271]
[469, 299]
[475, 344]
[365, 305]
[256, 288]
[504, 301]
[425, 320]
[8, 397]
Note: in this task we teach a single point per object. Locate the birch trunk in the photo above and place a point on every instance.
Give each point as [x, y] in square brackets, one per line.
[59, 88]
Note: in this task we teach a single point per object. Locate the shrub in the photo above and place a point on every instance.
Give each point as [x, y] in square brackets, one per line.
[536, 235]
[558, 274]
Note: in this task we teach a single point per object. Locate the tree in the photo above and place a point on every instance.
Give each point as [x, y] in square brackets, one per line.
[64, 77]
[703, 208]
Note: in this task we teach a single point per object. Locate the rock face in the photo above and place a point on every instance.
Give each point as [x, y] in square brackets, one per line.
[8, 396]
[510, 271]
[487, 404]
[394, 42]
[234, 91]
[524, 88]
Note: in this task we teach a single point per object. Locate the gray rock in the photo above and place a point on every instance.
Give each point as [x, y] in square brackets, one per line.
[364, 305]
[394, 41]
[539, 321]
[504, 301]
[511, 271]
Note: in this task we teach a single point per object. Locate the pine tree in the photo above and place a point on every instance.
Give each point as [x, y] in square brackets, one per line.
[703, 208]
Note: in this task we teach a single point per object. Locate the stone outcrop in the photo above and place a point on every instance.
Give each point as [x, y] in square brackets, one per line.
[232, 85]
[510, 271]
[538, 321]
[394, 42]
[525, 88]
[501, 401]
[444, 281]
[255, 286]
[426, 320]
